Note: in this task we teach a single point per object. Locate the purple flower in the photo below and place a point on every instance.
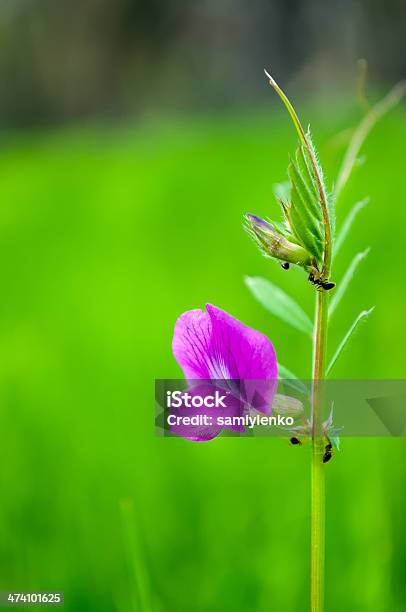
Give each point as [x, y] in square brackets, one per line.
[214, 346]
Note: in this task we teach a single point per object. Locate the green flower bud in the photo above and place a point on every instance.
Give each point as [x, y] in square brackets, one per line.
[273, 244]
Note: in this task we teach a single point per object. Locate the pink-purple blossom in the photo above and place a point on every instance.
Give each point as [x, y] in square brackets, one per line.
[218, 349]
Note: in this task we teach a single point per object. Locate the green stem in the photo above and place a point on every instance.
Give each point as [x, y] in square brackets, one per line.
[317, 536]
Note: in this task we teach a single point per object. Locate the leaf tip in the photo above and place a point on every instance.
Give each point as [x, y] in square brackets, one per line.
[271, 79]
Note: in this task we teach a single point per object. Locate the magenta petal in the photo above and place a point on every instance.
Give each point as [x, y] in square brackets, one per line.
[248, 356]
[215, 345]
[245, 352]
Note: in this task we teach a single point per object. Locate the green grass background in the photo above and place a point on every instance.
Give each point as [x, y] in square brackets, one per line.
[106, 236]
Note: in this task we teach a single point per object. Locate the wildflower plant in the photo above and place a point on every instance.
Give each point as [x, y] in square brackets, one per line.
[216, 348]
[307, 238]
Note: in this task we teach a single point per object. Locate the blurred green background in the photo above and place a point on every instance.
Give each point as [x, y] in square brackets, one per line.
[112, 223]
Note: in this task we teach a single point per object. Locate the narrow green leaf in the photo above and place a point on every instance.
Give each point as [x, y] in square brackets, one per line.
[328, 198]
[362, 316]
[306, 183]
[279, 303]
[314, 154]
[294, 382]
[331, 214]
[289, 107]
[347, 224]
[285, 373]
[342, 285]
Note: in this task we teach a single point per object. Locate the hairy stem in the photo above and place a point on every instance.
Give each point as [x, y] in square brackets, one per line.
[317, 536]
[319, 369]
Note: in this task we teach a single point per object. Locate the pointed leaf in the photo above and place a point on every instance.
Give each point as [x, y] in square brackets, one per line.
[331, 214]
[315, 156]
[330, 201]
[279, 303]
[284, 372]
[347, 224]
[305, 184]
[289, 107]
[362, 316]
[342, 286]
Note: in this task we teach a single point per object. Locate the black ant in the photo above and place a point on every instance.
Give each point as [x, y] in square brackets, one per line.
[327, 452]
[327, 449]
[326, 285]
[320, 284]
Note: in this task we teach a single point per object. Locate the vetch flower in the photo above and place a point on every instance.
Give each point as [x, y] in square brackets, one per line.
[215, 347]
